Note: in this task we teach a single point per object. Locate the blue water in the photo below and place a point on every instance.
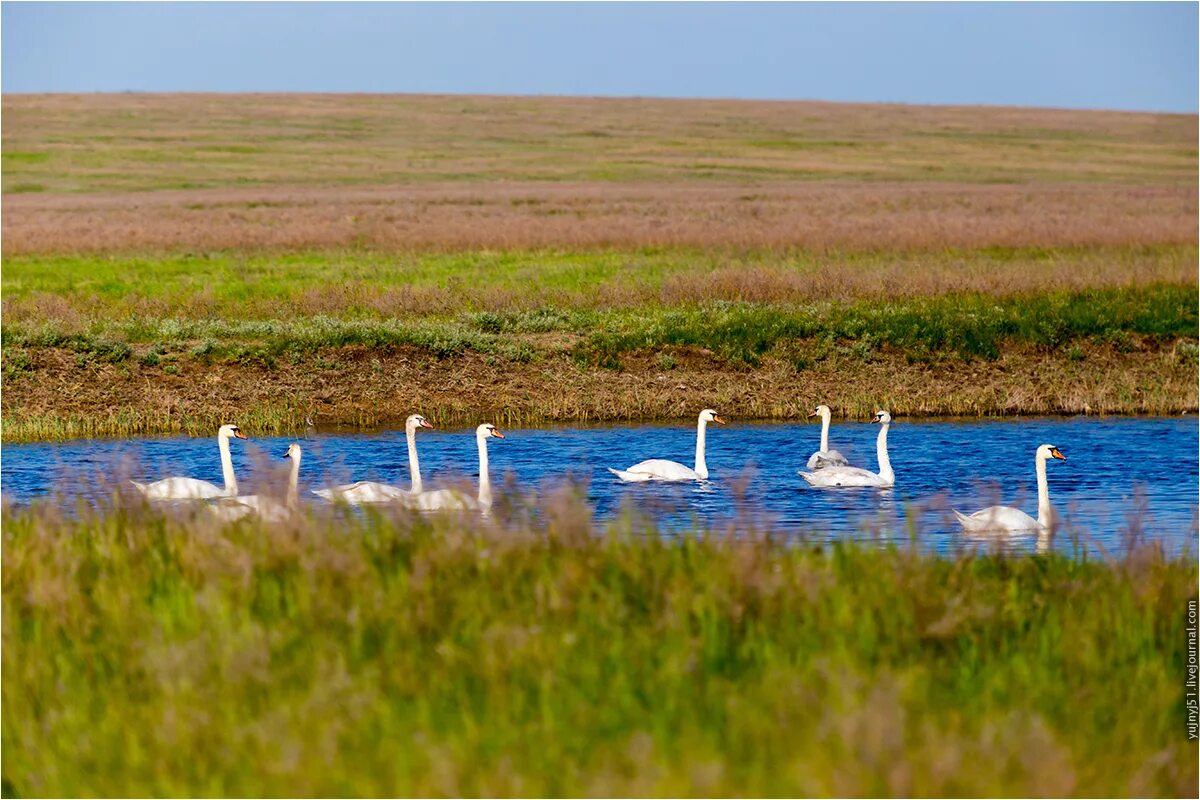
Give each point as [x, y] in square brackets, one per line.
[1122, 476]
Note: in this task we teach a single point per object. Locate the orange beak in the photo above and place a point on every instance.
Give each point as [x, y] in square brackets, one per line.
[496, 432]
[812, 413]
[1057, 454]
[239, 434]
[425, 424]
[718, 420]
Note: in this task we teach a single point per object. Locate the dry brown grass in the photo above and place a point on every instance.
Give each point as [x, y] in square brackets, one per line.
[58, 398]
[130, 141]
[594, 215]
[896, 276]
[131, 172]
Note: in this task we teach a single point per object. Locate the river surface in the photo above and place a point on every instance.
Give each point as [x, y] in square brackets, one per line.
[1122, 475]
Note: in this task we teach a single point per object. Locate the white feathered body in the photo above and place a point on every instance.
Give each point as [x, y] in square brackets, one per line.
[660, 469]
[656, 469]
[363, 492]
[845, 476]
[180, 489]
[1006, 519]
[998, 519]
[444, 500]
[268, 509]
[839, 475]
[823, 459]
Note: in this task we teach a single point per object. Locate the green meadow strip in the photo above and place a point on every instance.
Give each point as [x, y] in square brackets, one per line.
[969, 325]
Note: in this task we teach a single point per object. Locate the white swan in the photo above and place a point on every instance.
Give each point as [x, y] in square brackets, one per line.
[1005, 519]
[269, 509]
[374, 492]
[192, 488]
[657, 469]
[447, 499]
[855, 476]
[825, 457]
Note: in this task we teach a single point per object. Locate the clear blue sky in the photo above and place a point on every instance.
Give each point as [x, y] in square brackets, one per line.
[1136, 56]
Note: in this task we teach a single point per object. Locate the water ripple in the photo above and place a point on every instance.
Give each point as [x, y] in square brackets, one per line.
[1122, 475]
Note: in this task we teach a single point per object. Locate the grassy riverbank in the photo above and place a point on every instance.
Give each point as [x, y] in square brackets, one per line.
[966, 325]
[173, 261]
[1115, 352]
[398, 656]
[360, 338]
[58, 399]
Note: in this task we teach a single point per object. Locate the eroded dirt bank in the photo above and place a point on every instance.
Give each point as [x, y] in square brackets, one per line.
[51, 394]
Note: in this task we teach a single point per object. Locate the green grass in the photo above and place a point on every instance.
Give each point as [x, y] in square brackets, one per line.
[10, 158]
[583, 314]
[241, 285]
[282, 415]
[741, 305]
[379, 655]
[231, 277]
[968, 325]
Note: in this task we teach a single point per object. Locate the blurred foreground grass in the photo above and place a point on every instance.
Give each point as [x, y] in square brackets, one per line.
[363, 655]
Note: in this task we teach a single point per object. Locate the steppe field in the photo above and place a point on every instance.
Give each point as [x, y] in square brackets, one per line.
[173, 262]
[172, 259]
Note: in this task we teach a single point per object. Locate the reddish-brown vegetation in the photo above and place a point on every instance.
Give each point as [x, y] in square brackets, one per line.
[596, 215]
[132, 172]
[364, 386]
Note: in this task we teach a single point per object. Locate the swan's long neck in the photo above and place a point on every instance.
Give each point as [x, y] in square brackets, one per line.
[414, 466]
[293, 495]
[701, 467]
[885, 463]
[1043, 494]
[485, 483]
[231, 487]
[824, 433]
[1042, 545]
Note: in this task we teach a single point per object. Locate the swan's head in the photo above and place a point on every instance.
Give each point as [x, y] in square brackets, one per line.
[708, 415]
[293, 451]
[416, 421]
[488, 430]
[230, 431]
[882, 417]
[1048, 451]
[821, 411]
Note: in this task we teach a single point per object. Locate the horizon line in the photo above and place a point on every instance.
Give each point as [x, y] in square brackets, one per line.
[548, 95]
